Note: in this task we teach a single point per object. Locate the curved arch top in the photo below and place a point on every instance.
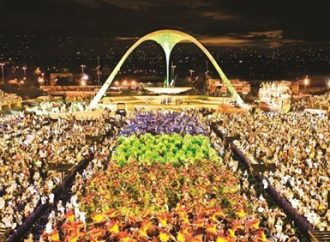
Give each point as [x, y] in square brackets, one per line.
[167, 39]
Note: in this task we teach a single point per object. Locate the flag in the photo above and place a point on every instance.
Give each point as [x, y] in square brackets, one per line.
[164, 237]
[221, 238]
[54, 236]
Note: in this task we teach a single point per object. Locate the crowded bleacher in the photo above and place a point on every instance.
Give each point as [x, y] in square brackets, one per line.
[29, 145]
[313, 102]
[58, 107]
[8, 99]
[299, 145]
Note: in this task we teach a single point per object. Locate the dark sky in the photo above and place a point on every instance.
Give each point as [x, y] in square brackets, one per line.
[213, 21]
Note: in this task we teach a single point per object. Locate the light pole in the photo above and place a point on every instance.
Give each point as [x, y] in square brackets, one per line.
[98, 73]
[207, 67]
[2, 72]
[24, 68]
[82, 69]
[191, 72]
[173, 69]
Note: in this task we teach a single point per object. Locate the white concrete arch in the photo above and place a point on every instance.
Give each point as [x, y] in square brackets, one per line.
[167, 39]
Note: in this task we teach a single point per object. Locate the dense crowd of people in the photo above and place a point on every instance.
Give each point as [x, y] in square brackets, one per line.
[314, 102]
[57, 217]
[7, 99]
[58, 107]
[278, 226]
[29, 144]
[164, 122]
[299, 145]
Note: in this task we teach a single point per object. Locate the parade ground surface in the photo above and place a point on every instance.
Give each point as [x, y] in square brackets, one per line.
[167, 101]
[129, 103]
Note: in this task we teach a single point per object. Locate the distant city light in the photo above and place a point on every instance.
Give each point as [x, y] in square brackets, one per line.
[328, 84]
[125, 82]
[133, 83]
[116, 83]
[41, 80]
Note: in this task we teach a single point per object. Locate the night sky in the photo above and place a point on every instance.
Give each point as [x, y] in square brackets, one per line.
[233, 22]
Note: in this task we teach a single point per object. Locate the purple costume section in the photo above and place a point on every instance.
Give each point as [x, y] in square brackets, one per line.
[165, 123]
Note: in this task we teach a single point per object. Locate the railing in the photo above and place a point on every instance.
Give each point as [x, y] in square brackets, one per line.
[319, 236]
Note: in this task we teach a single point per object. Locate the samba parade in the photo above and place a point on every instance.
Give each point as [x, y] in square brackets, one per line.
[153, 140]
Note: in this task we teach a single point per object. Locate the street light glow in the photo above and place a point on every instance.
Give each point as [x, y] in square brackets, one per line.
[41, 80]
[84, 77]
[306, 81]
[83, 82]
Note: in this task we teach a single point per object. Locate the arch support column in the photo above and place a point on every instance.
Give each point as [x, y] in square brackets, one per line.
[167, 39]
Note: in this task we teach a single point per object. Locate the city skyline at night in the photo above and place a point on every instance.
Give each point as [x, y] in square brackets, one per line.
[251, 40]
